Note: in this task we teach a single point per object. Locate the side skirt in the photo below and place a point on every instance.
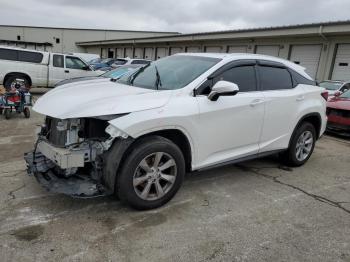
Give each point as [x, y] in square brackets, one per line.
[242, 159]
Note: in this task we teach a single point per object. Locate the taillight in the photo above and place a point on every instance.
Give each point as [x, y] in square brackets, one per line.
[324, 94]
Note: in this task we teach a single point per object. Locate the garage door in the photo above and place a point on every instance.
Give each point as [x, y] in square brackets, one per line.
[213, 49]
[193, 49]
[138, 53]
[237, 49]
[120, 52]
[307, 56]
[272, 50]
[161, 52]
[175, 50]
[149, 53]
[128, 52]
[103, 52]
[341, 69]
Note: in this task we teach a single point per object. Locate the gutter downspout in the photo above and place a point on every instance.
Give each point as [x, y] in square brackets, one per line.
[320, 32]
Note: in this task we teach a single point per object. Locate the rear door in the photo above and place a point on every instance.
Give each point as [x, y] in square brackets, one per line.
[283, 100]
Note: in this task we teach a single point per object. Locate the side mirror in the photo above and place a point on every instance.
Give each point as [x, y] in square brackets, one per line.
[337, 93]
[223, 88]
[87, 68]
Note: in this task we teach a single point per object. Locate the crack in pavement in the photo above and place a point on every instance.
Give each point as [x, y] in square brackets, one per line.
[11, 193]
[19, 172]
[257, 171]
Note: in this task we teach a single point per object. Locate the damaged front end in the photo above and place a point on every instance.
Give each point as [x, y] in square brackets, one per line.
[70, 157]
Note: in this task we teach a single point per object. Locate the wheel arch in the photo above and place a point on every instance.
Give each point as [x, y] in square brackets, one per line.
[314, 119]
[26, 76]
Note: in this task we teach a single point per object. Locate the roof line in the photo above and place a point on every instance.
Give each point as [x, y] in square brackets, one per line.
[246, 30]
[89, 29]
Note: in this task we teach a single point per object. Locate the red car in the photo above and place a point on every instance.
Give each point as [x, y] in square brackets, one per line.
[338, 112]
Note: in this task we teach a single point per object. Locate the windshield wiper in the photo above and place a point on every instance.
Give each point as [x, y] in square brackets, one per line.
[134, 75]
[158, 81]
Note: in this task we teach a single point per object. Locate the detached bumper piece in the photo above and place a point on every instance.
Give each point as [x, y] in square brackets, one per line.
[78, 186]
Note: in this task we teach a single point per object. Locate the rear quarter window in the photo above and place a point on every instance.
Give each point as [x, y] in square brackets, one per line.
[31, 57]
[8, 54]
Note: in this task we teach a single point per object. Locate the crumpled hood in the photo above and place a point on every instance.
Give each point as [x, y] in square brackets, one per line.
[98, 98]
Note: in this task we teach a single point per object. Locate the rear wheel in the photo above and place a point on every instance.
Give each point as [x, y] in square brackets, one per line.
[301, 146]
[151, 174]
[18, 82]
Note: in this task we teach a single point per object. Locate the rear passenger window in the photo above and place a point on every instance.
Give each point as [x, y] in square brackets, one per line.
[274, 78]
[8, 54]
[58, 61]
[32, 57]
[243, 76]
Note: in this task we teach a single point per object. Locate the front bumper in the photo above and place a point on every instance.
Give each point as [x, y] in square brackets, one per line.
[338, 128]
[78, 185]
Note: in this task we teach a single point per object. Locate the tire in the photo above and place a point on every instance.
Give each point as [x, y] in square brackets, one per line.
[140, 188]
[12, 79]
[26, 112]
[7, 113]
[300, 147]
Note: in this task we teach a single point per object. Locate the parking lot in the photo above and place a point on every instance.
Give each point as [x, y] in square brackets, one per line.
[254, 211]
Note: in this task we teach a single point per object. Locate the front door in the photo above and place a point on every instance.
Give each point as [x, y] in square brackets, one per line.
[230, 127]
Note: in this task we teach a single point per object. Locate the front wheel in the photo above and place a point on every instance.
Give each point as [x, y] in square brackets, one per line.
[7, 113]
[301, 146]
[26, 112]
[151, 174]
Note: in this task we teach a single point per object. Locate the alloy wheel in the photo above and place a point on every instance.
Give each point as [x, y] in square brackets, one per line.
[304, 145]
[154, 176]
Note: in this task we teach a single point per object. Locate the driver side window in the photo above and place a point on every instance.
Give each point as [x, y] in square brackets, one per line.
[74, 63]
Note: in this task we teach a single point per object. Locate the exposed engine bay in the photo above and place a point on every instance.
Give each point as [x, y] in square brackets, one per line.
[69, 156]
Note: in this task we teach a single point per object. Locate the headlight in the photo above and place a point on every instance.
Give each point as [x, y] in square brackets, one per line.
[110, 117]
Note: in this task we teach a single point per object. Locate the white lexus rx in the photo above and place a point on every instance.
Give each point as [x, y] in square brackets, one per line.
[137, 136]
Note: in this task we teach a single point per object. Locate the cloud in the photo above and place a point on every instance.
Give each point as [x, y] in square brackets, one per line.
[179, 15]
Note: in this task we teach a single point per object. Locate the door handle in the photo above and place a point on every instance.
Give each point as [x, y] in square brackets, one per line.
[300, 98]
[256, 102]
[66, 71]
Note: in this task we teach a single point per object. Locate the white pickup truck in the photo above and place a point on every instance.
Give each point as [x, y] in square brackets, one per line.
[41, 69]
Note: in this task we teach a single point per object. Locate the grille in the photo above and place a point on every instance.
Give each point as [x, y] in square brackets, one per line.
[338, 112]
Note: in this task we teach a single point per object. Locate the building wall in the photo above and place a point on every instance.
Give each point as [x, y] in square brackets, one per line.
[67, 37]
[325, 66]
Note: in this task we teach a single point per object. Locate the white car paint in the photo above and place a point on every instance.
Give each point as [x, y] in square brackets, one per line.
[43, 74]
[218, 131]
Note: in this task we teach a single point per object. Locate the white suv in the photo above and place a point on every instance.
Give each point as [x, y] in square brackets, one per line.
[137, 136]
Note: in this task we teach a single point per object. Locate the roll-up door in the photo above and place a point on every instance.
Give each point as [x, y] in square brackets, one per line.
[193, 49]
[149, 53]
[341, 69]
[138, 53]
[213, 49]
[307, 56]
[119, 52]
[237, 49]
[175, 50]
[128, 52]
[161, 52]
[272, 50]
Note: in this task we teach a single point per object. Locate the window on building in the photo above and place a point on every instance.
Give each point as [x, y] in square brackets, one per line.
[274, 78]
[57, 40]
[58, 61]
[32, 57]
[18, 38]
[243, 76]
[74, 63]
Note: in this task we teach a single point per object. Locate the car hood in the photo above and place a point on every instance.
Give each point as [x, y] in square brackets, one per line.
[98, 98]
[339, 103]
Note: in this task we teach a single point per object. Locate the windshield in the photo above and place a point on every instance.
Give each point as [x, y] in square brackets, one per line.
[172, 72]
[120, 62]
[346, 95]
[118, 72]
[331, 85]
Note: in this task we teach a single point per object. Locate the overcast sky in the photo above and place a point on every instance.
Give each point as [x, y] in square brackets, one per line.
[170, 15]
